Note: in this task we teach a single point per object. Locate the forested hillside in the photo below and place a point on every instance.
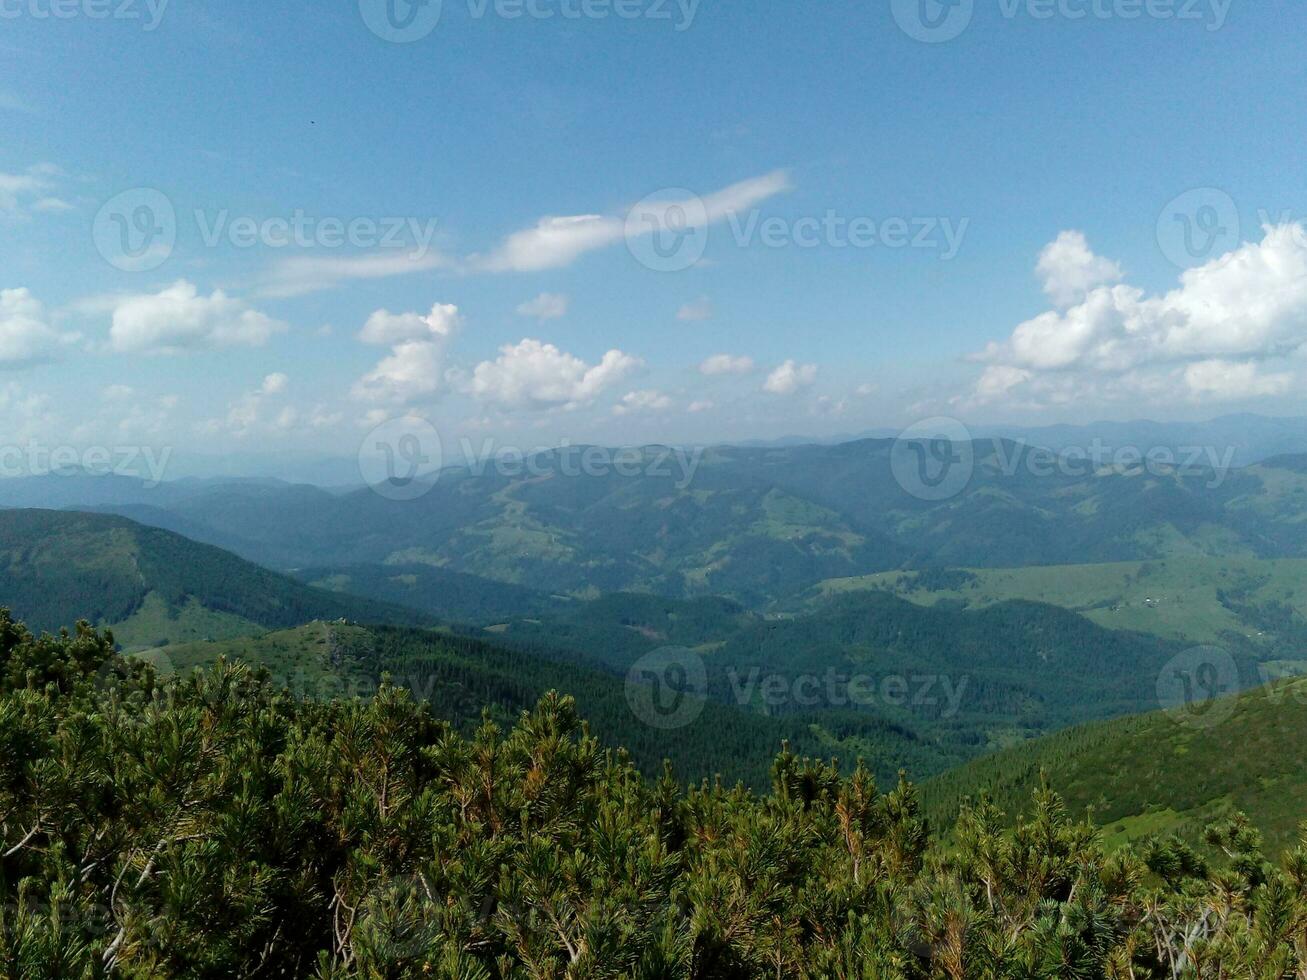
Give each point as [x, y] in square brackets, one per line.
[1159, 773]
[151, 586]
[975, 679]
[462, 679]
[213, 825]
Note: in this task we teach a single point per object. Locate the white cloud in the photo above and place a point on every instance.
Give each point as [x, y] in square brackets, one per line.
[700, 406]
[415, 370]
[52, 205]
[275, 383]
[1226, 381]
[302, 275]
[1069, 270]
[535, 375]
[555, 242]
[386, 328]
[789, 378]
[19, 192]
[642, 401]
[24, 415]
[546, 306]
[178, 318]
[727, 364]
[1211, 337]
[262, 413]
[26, 336]
[701, 309]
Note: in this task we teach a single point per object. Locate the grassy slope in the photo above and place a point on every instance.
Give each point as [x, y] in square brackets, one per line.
[149, 585]
[1158, 773]
[1176, 599]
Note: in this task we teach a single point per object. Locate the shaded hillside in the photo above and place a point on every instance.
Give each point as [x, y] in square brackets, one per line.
[151, 585]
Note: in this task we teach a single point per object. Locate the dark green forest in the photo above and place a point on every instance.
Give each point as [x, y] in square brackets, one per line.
[214, 824]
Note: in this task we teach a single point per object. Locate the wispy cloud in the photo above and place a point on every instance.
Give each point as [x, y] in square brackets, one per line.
[306, 274]
[556, 242]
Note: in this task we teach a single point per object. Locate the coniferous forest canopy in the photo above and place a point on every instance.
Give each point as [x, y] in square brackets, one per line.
[217, 825]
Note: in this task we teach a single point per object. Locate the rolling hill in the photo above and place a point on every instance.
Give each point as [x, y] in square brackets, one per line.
[1158, 773]
[151, 586]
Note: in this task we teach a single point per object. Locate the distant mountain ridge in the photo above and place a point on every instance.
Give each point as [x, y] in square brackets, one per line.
[756, 524]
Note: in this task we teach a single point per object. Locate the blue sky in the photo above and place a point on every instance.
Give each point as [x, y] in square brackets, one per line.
[1032, 159]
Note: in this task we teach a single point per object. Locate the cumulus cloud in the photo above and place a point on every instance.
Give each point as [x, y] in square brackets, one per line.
[727, 364]
[386, 328]
[534, 375]
[555, 242]
[26, 336]
[546, 306]
[1069, 269]
[411, 373]
[703, 405]
[414, 371]
[1218, 335]
[179, 318]
[789, 378]
[642, 401]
